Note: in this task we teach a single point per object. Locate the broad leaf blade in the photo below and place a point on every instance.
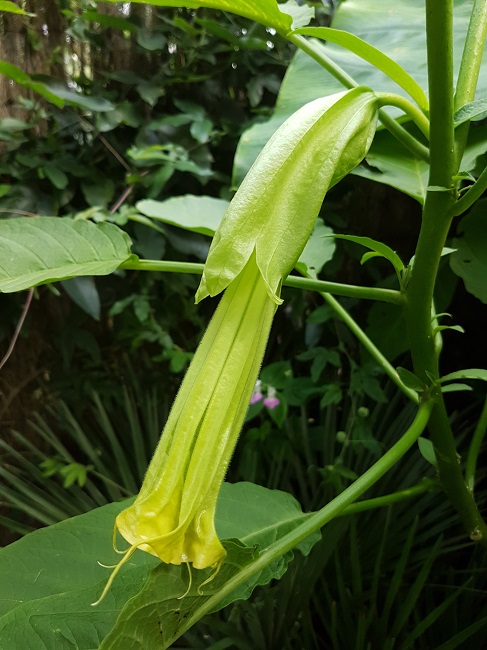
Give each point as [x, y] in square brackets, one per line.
[196, 213]
[49, 578]
[158, 614]
[39, 250]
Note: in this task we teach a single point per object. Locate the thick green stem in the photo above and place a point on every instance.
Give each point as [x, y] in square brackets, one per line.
[346, 80]
[306, 284]
[474, 449]
[434, 230]
[318, 519]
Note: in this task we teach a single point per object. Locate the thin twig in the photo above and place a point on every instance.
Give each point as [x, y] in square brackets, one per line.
[18, 328]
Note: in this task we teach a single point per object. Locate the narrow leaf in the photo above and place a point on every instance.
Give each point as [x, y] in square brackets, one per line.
[373, 56]
[378, 247]
[470, 373]
[39, 250]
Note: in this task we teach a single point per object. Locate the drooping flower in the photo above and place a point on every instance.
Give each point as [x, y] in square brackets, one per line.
[256, 246]
[173, 515]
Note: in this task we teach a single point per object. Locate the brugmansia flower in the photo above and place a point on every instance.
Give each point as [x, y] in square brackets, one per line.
[256, 246]
[173, 516]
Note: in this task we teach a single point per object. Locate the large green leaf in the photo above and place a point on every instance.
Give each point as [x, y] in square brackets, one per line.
[399, 33]
[158, 615]
[196, 213]
[49, 578]
[39, 250]
[282, 17]
[469, 261]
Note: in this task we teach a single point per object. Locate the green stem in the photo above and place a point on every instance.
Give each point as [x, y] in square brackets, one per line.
[316, 53]
[472, 55]
[473, 193]
[434, 230]
[306, 284]
[318, 519]
[371, 348]
[474, 449]
[470, 68]
[417, 115]
[388, 499]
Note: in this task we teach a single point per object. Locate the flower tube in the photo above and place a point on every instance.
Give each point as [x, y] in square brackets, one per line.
[173, 515]
[259, 240]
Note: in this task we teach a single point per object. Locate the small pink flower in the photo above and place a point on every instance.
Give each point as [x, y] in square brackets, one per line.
[257, 393]
[271, 401]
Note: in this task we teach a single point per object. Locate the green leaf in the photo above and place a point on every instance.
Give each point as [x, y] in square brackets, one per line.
[201, 130]
[318, 251]
[84, 293]
[267, 12]
[388, 162]
[373, 56]
[195, 213]
[410, 380]
[12, 8]
[454, 388]
[95, 104]
[39, 250]
[22, 78]
[469, 261]
[470, 111]
[469, 373]
[151, 42]
[52, 90]
[427, 450]
[378, 247]
[57, 177]
[111, 22]
[49, 578]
